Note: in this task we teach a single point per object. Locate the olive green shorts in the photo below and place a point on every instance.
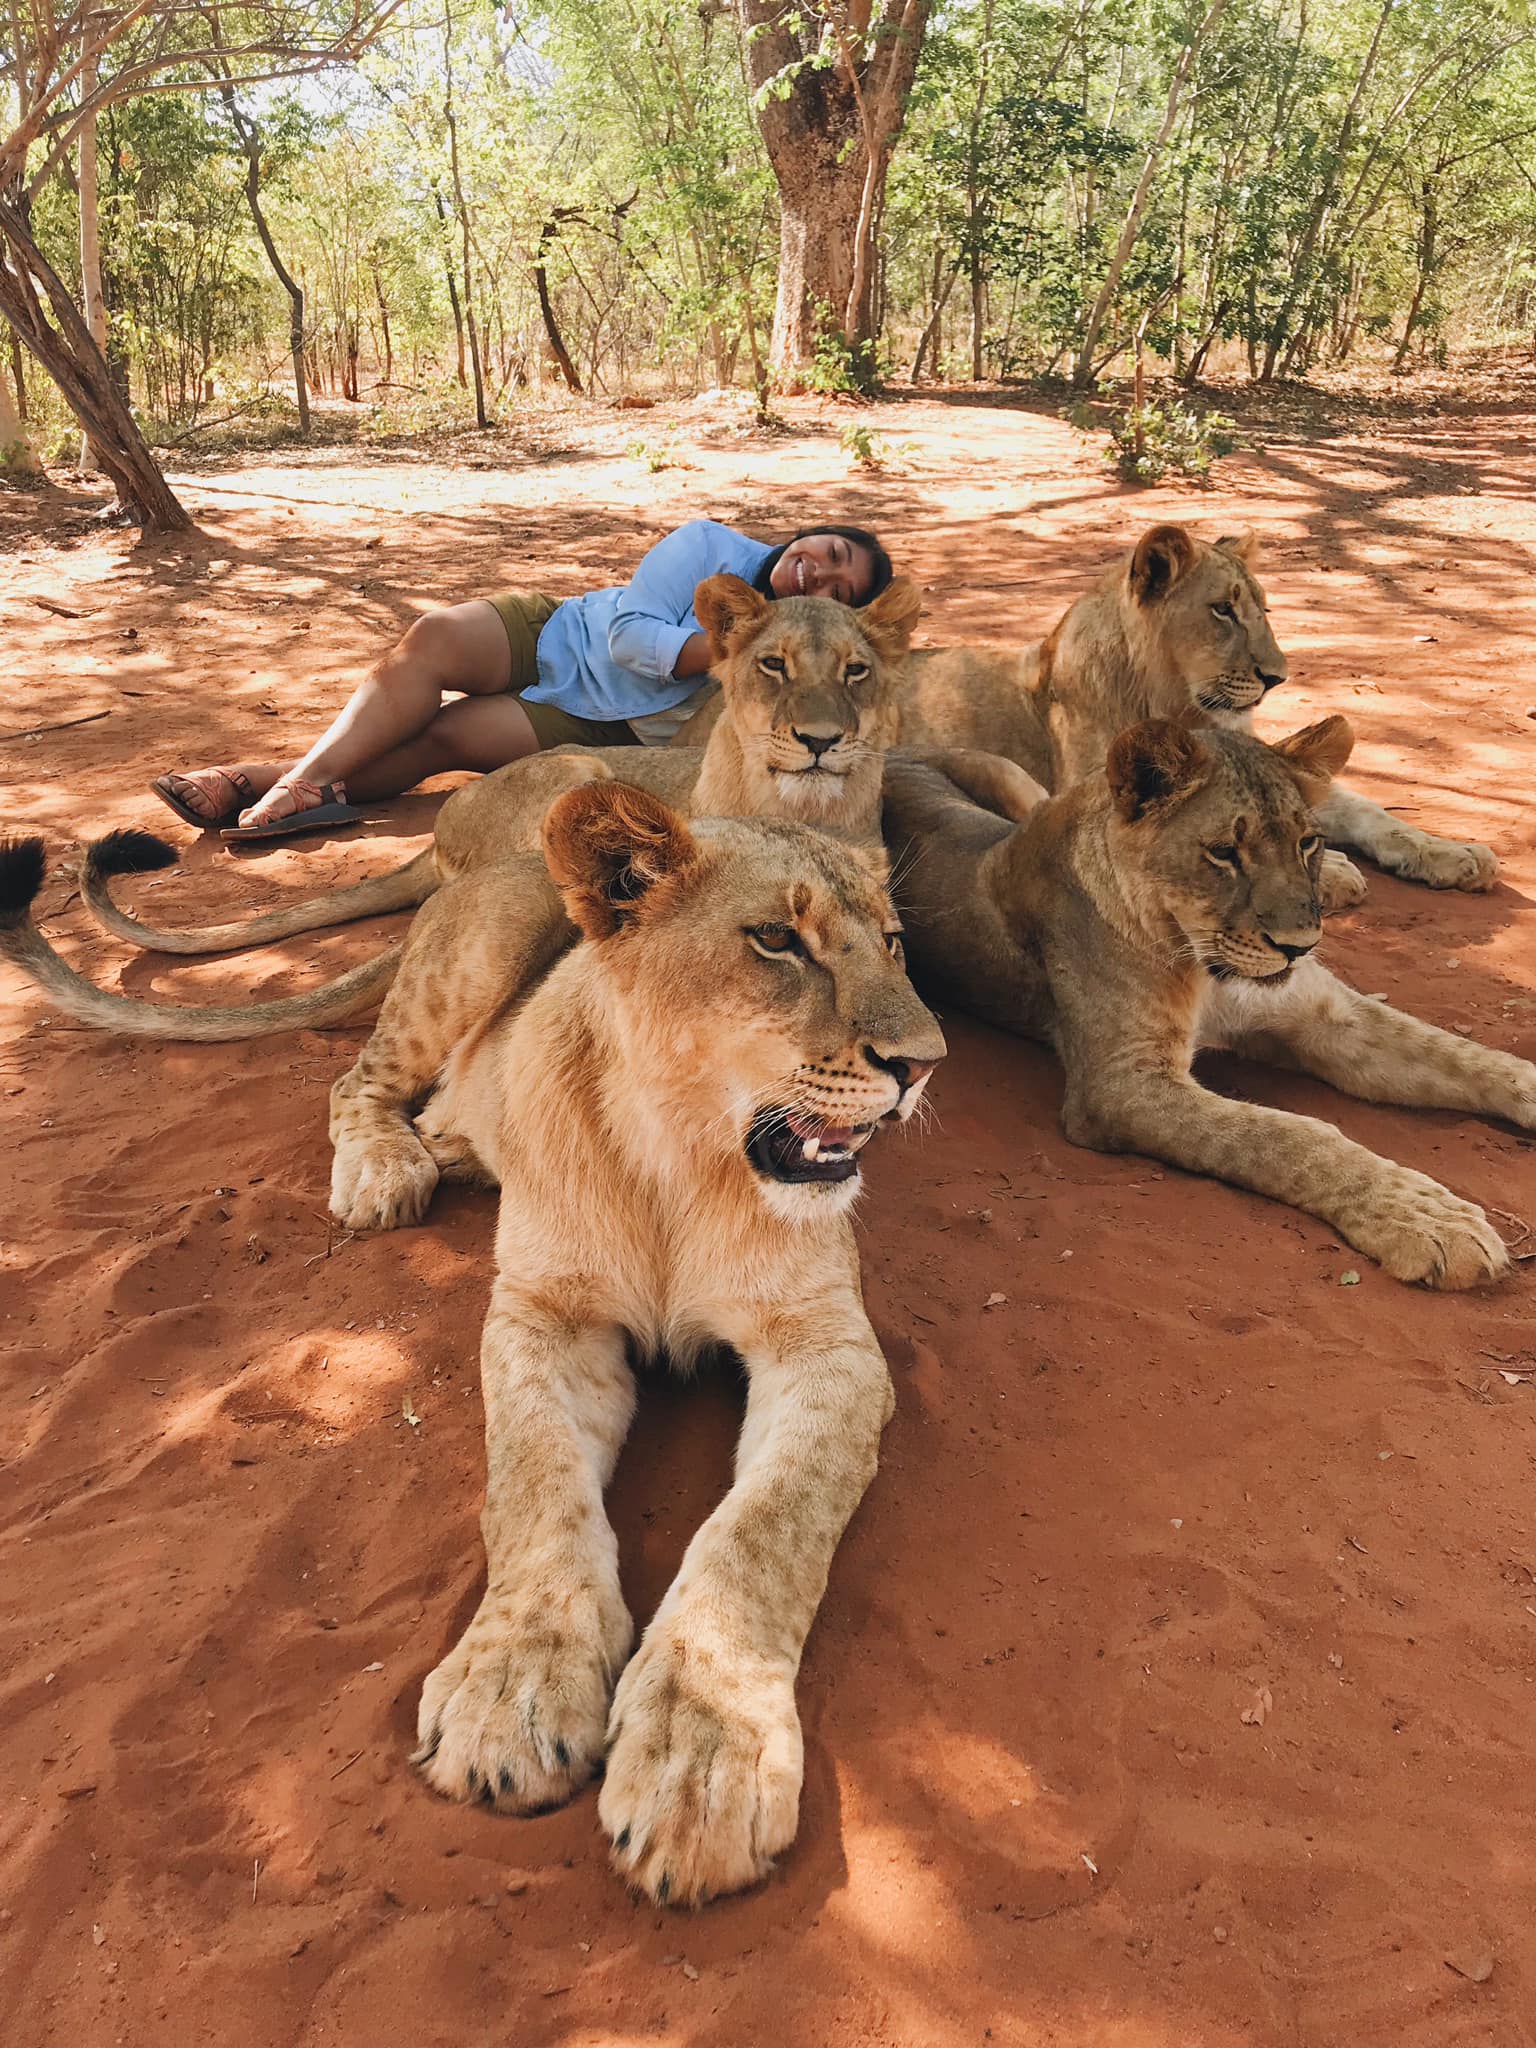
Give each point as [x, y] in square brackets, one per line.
[523, 613]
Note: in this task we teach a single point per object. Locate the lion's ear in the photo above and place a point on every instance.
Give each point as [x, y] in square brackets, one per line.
[1316, 754]
[887, 622]
[1158, 762]
[1242, 547]
[607, 845]
[726, 607]
[1163, 555]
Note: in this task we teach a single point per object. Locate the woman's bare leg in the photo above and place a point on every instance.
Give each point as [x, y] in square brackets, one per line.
[370, 744]
[481, 733]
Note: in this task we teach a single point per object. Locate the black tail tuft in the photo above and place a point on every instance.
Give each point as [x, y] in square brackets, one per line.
[22, 867]
[128, 853]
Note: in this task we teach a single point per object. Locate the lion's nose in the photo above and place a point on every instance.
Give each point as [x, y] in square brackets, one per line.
[817, 743]
[905, 1073]
[1270, 677]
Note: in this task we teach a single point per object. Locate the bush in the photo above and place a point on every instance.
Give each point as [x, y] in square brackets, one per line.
[1163, 436]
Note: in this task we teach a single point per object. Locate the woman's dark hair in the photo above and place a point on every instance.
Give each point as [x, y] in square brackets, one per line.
[881, 572]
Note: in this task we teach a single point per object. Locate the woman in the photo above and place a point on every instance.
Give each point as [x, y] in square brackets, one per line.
[616, 667]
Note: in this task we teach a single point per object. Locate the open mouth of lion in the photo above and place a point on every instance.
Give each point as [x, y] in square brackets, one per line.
[788, 1146]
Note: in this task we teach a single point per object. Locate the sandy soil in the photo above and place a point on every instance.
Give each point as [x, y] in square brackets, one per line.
[1178, 1469]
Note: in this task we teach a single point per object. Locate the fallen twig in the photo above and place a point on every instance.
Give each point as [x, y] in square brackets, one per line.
[31, 732]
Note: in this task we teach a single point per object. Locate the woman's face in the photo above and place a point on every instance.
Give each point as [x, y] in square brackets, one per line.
[824, 565]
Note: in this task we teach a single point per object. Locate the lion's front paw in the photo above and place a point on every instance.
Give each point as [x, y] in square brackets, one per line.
[1448, 864]
[1421, 1231]
[702, 1789]
[379, 1184]
[1340, 884]
[517, 1712]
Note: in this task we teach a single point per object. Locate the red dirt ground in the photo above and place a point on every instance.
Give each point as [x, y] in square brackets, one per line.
[1178, 1467]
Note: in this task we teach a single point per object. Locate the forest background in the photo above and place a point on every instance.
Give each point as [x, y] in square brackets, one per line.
[299, 218]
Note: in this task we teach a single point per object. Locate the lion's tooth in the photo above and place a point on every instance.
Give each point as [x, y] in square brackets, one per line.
[813, 1149]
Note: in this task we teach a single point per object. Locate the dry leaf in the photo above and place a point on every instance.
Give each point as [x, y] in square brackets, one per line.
[693, 1976]
[1258, 1713]
[410, 1413]
[1514, 1379]
[1477, 1969]
[994, 1300]
[99, 1935]
[1349, 1279]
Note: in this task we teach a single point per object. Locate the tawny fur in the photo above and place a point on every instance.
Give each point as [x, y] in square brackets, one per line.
[1100, 926]
[613, 1104]
[839, 682]
[1148, 642]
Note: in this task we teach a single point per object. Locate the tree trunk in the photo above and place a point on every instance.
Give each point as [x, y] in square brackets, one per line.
[1427, 235]
[1138, 206]
[552, 335]
[930, 333]
[453, 288]
[829, 133]
[1301, 269]
[249, 137]
[18, 457]
[67, 351]
[92, 303]
[389, 347]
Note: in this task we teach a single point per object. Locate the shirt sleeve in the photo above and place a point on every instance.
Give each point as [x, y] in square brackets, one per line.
[654, 619]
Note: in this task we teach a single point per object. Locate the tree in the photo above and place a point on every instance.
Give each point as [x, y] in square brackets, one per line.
[832, 79]
[65, 68]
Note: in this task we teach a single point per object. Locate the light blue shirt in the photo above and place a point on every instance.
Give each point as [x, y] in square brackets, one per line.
[611, 653]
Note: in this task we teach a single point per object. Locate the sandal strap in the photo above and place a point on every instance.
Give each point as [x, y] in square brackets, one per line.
[315, 793]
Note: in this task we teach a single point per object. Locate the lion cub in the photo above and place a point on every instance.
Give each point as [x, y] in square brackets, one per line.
[676, 1115]
[1171, 901]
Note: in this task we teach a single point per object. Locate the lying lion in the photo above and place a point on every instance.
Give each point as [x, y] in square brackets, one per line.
[1179, 625]
[1170, 900]
[676, 1116]
[808, 703]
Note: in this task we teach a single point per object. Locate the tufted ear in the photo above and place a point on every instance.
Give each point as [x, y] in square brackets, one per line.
[1242, 547]
[607, 845]
[1163, 555]
[1158, 762]
[726, 607]
[887, 623]
[1316, 754]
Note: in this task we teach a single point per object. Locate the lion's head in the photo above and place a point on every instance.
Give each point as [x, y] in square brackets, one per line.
[1199, 614]
[755, 970]
[810, 685]
[1213, 833]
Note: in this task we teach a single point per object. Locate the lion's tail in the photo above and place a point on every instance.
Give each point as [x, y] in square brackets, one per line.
[21, 876]
[129, 853]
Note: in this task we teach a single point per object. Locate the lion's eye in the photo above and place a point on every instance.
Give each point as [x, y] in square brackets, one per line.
[1312, 844]
[856, 672]
[775, 664]
[1225, 611]
[1224, 856]
[775, 941]
[894, 947]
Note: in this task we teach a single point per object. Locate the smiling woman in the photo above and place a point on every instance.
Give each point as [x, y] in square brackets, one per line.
[616, 667]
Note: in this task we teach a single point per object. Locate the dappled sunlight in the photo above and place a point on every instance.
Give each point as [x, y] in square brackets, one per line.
[1152, 1458]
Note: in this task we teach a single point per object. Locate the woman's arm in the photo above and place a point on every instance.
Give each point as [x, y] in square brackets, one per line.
[648, 633]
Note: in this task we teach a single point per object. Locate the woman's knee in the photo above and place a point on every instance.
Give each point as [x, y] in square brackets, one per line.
[457, 647]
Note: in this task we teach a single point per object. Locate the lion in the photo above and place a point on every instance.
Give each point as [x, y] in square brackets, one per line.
[808, 709]
[676, 1115]
[1171, 900]
[1179, 624]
